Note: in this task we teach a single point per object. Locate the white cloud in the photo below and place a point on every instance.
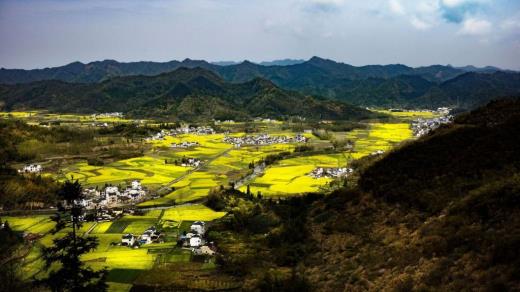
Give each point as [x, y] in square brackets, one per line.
[473, 26]
[396, 7]
[419, 24]
[453, 3]
[510, 24]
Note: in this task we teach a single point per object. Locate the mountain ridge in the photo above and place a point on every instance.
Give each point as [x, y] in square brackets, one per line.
[185, 94]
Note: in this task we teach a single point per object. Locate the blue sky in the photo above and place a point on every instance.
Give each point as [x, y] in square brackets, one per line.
[41, 33]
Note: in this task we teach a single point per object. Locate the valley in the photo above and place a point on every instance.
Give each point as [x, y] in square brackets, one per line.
[176, 194]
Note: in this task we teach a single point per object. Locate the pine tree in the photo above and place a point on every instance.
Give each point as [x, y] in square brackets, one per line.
[72, 274]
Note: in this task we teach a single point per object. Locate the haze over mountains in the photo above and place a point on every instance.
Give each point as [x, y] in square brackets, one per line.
[373, 85]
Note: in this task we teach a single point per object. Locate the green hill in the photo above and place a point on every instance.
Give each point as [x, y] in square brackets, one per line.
[185, 94]
[373, 85]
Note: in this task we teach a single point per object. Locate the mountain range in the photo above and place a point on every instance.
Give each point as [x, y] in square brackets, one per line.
[373, 85]
[185, 94]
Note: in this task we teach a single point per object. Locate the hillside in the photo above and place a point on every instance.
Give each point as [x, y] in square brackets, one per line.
[184, 94]
[373, 85]
[439, 214]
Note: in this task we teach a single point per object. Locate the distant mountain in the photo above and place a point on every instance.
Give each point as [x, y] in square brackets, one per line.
[287, 71]
[373, 85]
[225, 63]
[283, 62]
[185, 94]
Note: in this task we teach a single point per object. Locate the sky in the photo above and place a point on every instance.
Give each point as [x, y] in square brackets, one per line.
[48, 33]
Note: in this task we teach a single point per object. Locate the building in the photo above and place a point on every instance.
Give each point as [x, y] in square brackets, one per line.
[198, 227]
[195, 241]
[128, 240]
[31, 168]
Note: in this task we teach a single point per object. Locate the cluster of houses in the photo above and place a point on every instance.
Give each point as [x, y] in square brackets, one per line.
[184, 144]
[101, 125]
[202, 130]
[188, 162]
[31, 168]
[421, 127]
[217, 122]
[112, 195]
[149, 235]
[195, 240]
[330, 172]
[262, 120]
[264, 139]
[377, 152]
[108, 115]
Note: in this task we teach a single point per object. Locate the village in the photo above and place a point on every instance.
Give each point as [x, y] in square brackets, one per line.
[184, 144]
[112, 196]
[264, 139]
[421, 127]
[193, 240]
[201, 130]
[321, 172]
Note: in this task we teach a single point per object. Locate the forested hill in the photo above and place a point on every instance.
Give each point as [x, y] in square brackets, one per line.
[184, 94]
[373, 85]
[439, 214]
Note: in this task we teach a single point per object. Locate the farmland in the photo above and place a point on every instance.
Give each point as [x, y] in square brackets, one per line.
[222, 165]
[124, 263]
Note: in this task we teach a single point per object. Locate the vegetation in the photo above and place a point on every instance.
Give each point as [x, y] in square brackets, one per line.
[71, 275]
[184, 94]
[375, 85]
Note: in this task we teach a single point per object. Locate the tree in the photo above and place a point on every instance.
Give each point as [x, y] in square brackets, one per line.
[72, 274]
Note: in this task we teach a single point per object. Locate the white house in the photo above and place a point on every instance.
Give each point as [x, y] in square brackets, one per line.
[136, 185]
[111, 194]
[195, 241]
[128, 240]
[31, 168]
[198, 227]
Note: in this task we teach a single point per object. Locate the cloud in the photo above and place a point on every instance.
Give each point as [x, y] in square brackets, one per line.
[396, 7]
[323, 5]
[419, 24]
[455, 11]
[475, 27]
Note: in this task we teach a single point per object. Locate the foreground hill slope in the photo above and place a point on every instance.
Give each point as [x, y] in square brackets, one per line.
[439, 214]
[186, 94]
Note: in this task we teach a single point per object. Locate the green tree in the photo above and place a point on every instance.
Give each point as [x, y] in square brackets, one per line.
[72, 274]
